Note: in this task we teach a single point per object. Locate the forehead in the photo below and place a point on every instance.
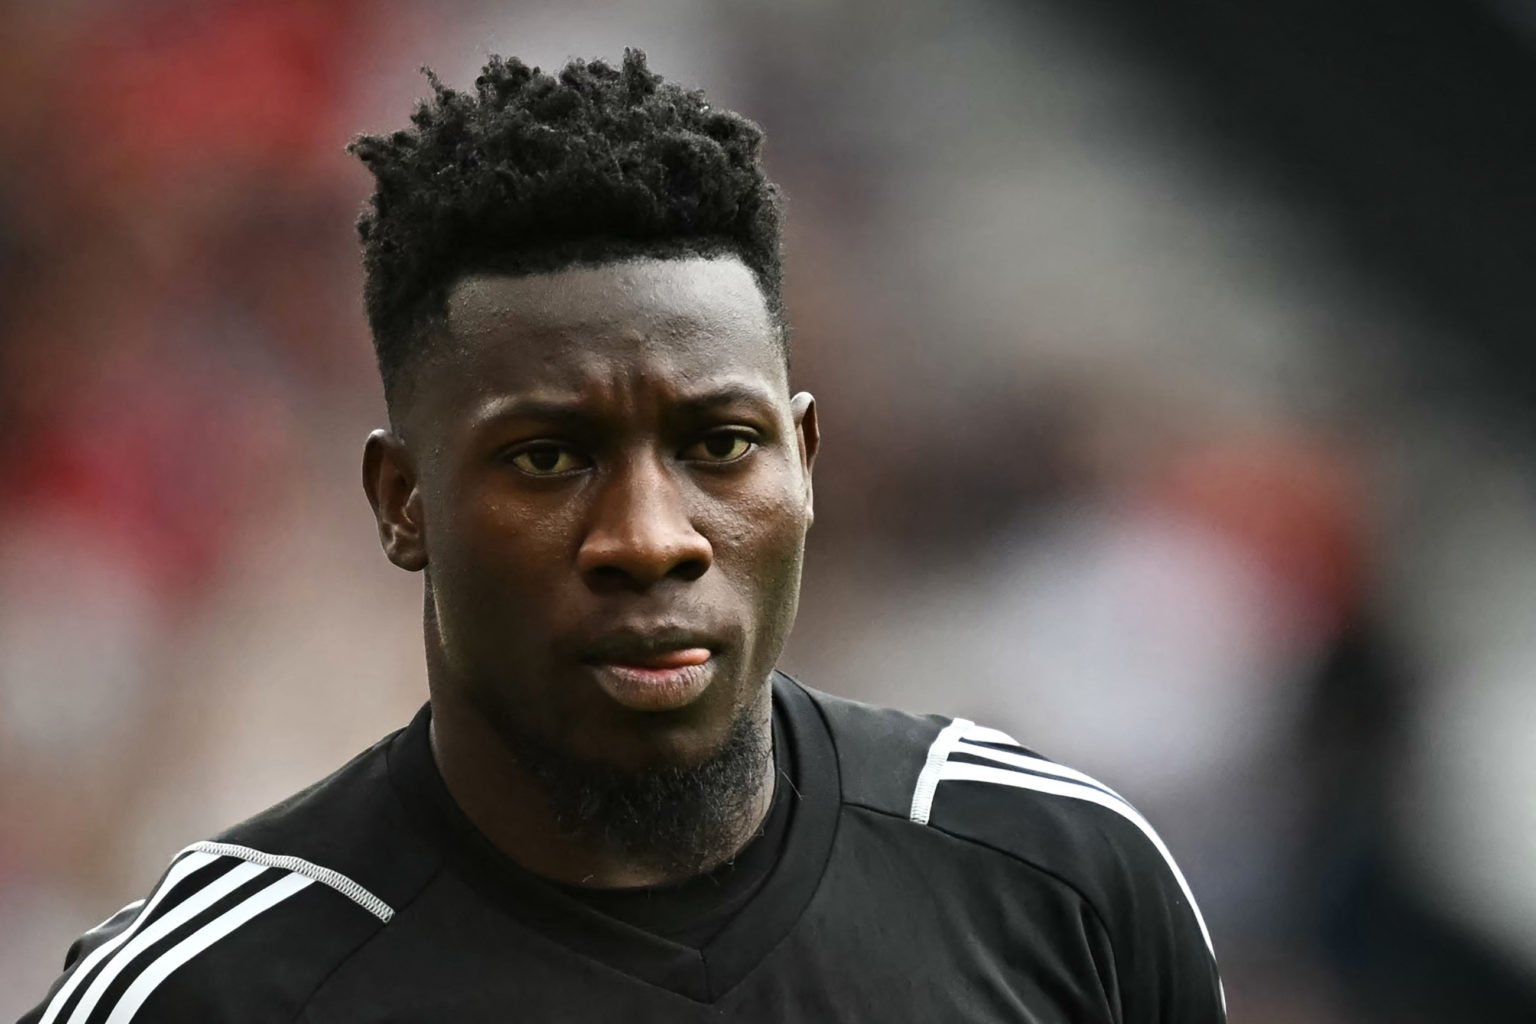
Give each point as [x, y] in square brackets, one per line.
[646, 294]
[688, 316]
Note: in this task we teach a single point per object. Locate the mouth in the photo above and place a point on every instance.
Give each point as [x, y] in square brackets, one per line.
[660, 671]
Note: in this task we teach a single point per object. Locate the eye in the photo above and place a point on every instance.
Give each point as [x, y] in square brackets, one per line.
[548, 459]
[725, 446]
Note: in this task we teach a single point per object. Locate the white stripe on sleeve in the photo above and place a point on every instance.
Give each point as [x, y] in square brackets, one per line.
[180, 869]
[299, 866]
[928, 778]
[1036, 764]
[172, 919]
[145, 984]
[961, 771]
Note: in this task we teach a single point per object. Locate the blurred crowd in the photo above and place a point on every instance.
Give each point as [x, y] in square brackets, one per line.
[1121, 456]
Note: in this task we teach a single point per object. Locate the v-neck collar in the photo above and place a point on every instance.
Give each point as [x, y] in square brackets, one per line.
[703, 974]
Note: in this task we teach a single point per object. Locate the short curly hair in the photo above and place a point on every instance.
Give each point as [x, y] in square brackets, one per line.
[536, 172]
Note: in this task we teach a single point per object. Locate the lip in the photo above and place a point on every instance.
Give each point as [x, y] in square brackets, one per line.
[653, 670]
[655, 689]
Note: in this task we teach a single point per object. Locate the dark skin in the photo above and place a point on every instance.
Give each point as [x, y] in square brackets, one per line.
[598, 468]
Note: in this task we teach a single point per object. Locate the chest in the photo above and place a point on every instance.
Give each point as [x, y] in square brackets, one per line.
[893, 933]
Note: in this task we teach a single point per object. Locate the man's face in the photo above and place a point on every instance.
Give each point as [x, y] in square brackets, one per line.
[608, 484]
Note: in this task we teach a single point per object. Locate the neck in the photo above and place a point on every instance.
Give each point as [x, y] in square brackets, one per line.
[515, 809]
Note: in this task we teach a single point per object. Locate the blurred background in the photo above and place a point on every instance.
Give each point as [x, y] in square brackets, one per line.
[1175, 366]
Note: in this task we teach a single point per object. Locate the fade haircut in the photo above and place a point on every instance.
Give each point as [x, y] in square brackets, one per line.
[535, 172]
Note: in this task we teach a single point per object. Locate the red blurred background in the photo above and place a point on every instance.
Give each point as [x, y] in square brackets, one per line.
[1174, 424]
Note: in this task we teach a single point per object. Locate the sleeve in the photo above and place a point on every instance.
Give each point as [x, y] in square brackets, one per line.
[80, 961]
[1149, 945]
[1165, 964]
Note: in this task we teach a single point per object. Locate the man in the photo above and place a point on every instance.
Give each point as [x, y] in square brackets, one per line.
[614, 807]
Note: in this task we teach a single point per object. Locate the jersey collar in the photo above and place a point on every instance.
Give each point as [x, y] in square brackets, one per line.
[703, 974]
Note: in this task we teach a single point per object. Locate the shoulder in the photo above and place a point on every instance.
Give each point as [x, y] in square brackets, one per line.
[980, 786]
[245, 925]
[880, 751]
[350, 831]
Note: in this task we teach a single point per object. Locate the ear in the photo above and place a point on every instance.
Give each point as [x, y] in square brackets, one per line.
[390, 481]
[803, 407]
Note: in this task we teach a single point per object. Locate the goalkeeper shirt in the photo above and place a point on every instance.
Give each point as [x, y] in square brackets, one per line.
[912, 868]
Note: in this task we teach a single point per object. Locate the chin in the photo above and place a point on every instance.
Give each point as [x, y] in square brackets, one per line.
[648, 741]
[667, 793]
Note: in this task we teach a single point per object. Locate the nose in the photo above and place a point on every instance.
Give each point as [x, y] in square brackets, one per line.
[640, 532]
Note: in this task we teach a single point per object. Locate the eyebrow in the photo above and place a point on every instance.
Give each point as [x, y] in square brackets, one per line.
[571, 407]
[544, 409]
[726, 394]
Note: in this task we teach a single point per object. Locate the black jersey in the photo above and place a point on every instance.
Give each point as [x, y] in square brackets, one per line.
[926, 869]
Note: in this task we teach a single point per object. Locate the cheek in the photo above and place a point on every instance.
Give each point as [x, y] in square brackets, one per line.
[491, 556]
[483, 520]
[759, 540]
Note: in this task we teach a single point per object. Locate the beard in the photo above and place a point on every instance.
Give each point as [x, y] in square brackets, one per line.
[674, 819]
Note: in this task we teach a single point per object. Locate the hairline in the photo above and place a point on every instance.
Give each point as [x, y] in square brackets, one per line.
[432, 335]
